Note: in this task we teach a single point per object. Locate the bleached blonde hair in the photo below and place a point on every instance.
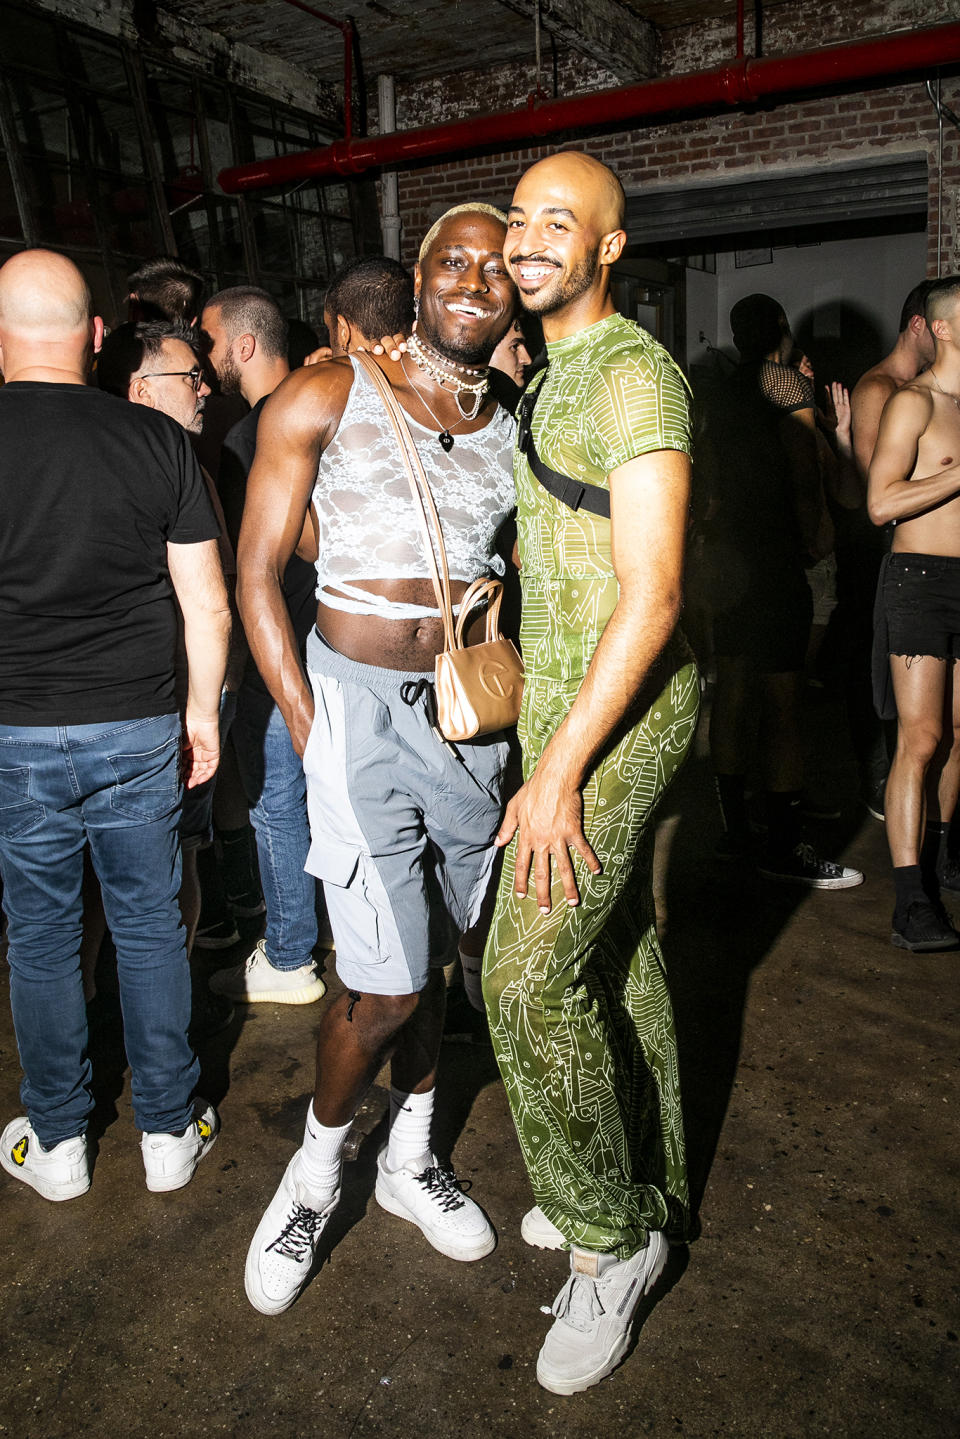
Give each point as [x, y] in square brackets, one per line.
[475, 209]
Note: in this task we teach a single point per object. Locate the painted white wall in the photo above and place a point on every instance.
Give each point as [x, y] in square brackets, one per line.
[843, 297]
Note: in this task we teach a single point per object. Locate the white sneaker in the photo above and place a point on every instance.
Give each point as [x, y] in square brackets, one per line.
[170, 1159]
[282, 1251]
[538, 1231]
[594, 1313]
[431, 1198]
[256, 979]
[60, 1172]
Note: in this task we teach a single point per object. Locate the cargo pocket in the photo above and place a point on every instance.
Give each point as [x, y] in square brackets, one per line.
[351, 886]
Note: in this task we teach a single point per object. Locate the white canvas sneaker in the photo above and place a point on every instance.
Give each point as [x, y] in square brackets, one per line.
[538, 1231]
[169, 1160]
[282, 1250]
[256, 979]
[430, 1197]
[61, 1172]
[594, 1314]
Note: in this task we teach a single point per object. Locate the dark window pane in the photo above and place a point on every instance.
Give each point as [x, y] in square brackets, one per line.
[10, 227]
[28, 40]
[114, 136]
[42, 120]
[97, 63]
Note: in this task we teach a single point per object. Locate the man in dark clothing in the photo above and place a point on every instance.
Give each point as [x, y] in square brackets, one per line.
[246, 340]
[766, 522]
[104, 522]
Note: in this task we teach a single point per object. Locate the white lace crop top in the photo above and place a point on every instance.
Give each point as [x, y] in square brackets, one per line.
[368, 526]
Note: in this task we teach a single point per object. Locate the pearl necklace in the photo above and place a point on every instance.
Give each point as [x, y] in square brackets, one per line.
[445, 438]
[433, 365]
[945, 393]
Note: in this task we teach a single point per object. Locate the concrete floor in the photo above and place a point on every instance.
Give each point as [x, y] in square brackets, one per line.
[820, 1072]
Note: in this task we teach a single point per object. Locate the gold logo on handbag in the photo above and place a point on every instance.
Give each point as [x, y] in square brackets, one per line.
[478, 687]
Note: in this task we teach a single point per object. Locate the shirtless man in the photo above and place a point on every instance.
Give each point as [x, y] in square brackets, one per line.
[911, 354]
[914, 483]
[860, 548]
[402, 824]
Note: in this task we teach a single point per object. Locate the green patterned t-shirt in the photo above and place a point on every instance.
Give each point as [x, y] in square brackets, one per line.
[611, 392]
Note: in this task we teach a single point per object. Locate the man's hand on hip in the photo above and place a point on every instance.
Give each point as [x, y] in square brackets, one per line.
[547, 819]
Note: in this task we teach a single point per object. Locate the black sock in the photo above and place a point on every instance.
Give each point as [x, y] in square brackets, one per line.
[933, 850]
[783, 820]
[731, 792]
[908, 884]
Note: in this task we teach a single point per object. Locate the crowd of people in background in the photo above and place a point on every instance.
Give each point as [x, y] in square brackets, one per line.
[217, 638]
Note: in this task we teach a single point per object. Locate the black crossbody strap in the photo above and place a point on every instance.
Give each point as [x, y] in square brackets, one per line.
[577, 494]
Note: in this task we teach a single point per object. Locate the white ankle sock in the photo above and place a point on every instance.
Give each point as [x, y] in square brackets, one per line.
[472, 966]
[320, 1159]
[410, 1118]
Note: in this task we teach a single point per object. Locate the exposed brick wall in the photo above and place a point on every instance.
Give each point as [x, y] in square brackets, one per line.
[792, 135]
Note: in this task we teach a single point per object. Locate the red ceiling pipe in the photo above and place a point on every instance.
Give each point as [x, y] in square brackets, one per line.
[743, 82]
[346, 30]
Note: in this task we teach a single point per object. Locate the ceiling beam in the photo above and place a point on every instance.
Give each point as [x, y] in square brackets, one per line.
[607, 31]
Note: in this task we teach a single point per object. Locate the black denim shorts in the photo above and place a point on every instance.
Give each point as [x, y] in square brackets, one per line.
[921, 603]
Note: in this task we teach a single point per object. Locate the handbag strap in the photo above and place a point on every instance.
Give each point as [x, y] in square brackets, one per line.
[423, 498]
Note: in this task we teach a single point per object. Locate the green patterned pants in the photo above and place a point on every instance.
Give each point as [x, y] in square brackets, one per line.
[577, 999]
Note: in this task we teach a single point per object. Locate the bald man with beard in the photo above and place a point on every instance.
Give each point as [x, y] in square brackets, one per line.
[579, 1009]
[104, 524]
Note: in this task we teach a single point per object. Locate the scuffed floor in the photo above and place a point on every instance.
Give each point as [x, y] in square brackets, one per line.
[820, 1070]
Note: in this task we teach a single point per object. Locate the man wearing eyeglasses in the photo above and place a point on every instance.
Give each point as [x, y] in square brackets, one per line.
[156, 364]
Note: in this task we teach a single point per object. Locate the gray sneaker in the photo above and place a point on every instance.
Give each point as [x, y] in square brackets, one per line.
[594, 1314]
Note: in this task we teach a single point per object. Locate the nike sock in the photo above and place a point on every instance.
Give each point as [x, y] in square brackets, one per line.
[410, 1119]
[320, 1159]
[472, 966]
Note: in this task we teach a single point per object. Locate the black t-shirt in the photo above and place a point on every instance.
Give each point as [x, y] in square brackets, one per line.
[299, 578]
[92, 488]
[754, 514]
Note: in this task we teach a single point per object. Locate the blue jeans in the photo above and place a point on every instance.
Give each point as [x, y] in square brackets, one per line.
[115, 786]
[273, 779]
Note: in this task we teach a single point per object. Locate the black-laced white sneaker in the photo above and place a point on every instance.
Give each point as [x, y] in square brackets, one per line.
[282, 1251]
[923, 929]
[431, 1197]
[802, 865]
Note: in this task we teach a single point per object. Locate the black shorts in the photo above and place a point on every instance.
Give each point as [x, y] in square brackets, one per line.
[921, 604]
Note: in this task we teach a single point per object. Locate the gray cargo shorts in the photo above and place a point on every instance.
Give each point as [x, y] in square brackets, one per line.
[401, 823]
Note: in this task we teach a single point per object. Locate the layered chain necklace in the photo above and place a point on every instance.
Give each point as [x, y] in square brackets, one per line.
[453, 377]
[946, 393]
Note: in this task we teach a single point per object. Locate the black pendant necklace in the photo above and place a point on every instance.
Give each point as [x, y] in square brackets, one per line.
[446, 440]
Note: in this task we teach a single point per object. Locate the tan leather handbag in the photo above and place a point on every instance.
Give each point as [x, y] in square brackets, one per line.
[478, 687]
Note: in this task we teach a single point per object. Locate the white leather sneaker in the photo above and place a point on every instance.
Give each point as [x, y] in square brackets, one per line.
[430, 1197]
[171, 1159]
[61, 1172]
[282, 1250]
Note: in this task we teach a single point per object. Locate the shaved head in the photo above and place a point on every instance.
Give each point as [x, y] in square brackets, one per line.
[564, 233]
[43, 298]
[602, 201]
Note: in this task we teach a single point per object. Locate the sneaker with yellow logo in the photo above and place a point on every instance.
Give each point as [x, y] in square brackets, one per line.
[170, 1159]
[60, 1172]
